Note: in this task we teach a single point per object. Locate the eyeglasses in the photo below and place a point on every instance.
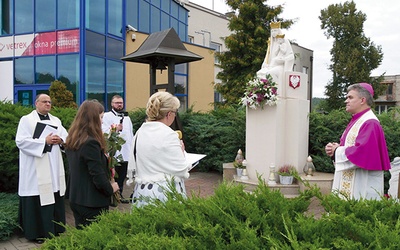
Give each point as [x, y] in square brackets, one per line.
[118, 102]
[49, 102]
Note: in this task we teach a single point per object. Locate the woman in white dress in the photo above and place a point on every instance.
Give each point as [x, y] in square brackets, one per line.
[158, 154]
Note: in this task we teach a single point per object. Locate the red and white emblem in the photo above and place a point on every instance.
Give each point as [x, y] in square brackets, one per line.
[294, 81]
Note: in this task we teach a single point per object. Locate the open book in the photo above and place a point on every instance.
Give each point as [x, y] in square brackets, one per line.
[193, 159]
[42, 130]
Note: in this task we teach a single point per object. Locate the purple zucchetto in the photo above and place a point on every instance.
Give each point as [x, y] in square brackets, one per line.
[368, 87]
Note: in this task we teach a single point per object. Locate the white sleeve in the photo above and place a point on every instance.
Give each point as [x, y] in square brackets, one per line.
[25, 141]
[341, 161]
[131, 164]
[107, 122]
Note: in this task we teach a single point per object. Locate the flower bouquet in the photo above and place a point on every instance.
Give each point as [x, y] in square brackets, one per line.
[260, 92]
[114, 143]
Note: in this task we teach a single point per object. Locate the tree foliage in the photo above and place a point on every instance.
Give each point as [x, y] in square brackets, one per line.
[246, 45]
[354, 55]
[61, 96]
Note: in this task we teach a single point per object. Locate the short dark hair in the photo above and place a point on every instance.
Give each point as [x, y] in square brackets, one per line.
[362, 92]
[115, 97]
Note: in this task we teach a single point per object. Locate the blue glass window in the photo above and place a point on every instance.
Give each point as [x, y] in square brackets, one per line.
[6, 17]
[182, 32]
[174, 9]
[95, 43]
[95, 78]
[144, 18]
[157, 3]
[182, 15]
[155, 19]
[25, 97]
[165, 5]
[96, 15]
[181, 68]
[68, 73]
[175, 25]
[180, 84]
[68, 14]
[45, 69]
[23, 16]
[115, 17]
[24, 73]
[164, 21]
[184, 102]
[115, 79]
[115, 48]
[132, 12]
[45, 15]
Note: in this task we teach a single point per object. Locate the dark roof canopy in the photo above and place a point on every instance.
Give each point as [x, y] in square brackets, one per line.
[164, 45]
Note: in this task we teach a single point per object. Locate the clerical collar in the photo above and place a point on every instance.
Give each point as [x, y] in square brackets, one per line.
[43, 117]
[117, 113]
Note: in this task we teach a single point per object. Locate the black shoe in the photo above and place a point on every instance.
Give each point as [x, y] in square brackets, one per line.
[38, 241]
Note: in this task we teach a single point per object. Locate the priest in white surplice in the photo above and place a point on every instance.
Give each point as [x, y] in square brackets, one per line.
[41, 187]
[362, 156]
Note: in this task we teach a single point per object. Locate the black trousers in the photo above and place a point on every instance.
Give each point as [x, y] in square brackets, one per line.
[85, 215]
[121, 171]
[41, 221]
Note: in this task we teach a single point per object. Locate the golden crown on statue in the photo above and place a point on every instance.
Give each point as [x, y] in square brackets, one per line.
[276, 25]
[280, 36]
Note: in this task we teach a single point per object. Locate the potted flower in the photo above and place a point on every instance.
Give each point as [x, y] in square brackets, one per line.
[286, 173]
[260, 92]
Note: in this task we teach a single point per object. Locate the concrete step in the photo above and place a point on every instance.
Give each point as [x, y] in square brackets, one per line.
[322, 180]
[288, 191]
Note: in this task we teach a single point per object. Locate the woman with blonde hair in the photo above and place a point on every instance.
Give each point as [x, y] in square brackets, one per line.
[158, 154]
[89, 186]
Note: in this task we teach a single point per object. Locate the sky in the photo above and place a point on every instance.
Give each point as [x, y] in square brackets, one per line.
[382, 27]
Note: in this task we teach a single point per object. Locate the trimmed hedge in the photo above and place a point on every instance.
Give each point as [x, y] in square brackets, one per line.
[236, 219]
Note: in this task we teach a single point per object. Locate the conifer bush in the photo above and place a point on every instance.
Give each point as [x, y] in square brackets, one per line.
[235, 219]
[8, 215]
[9, 119]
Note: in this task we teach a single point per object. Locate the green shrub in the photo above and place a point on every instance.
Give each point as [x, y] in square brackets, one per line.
[325, 128]
[218, 134]
[9, 119]
[137, 116]
[235, 219]
[391, 125]
[8, 215]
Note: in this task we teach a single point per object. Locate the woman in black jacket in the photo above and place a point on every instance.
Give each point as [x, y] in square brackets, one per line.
[89, 186]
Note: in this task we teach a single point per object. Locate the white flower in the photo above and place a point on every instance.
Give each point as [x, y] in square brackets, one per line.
[260, 92]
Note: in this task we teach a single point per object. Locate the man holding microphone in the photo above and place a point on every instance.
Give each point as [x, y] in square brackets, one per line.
[120, 118]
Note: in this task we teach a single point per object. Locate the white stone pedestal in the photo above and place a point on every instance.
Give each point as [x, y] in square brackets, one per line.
[279, 134]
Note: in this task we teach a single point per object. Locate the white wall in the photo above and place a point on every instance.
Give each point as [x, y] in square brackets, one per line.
[6, 81]
[207, 26]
